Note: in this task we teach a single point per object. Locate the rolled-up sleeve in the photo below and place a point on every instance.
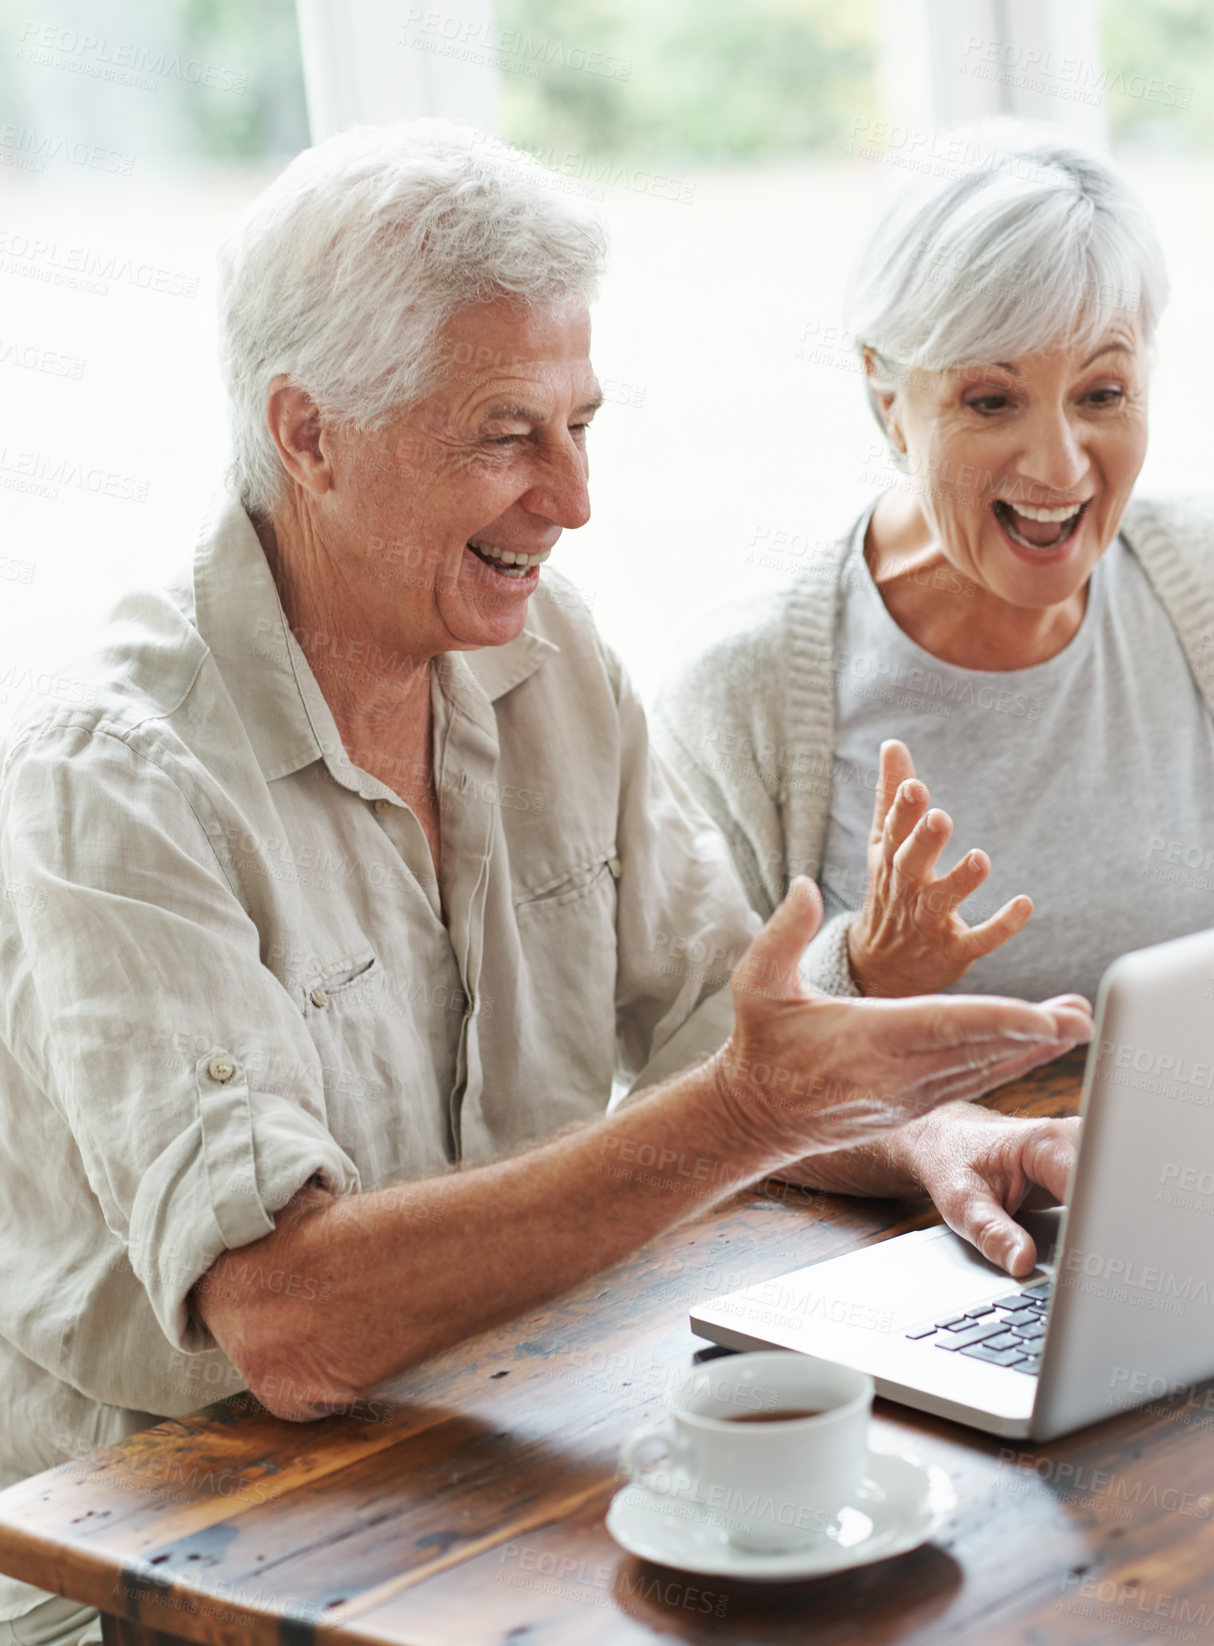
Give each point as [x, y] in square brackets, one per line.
[137, 1004]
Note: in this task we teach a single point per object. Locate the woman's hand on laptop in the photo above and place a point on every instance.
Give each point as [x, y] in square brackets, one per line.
[908, 938]
[805, 1072]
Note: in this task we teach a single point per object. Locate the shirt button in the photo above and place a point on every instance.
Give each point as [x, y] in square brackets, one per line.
[319, 996]
[221, 1069]
[382, 806]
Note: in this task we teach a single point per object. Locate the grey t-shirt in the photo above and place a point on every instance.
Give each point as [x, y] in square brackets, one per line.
[1088, 780]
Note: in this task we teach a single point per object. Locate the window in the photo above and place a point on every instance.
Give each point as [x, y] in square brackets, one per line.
[1157, 72]
[127, 145]
[735, 153]
[716, 139]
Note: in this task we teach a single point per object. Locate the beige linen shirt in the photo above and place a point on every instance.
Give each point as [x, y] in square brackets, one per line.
[226, 966]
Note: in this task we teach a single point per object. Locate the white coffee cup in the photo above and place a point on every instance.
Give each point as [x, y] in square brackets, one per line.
[772, 1483]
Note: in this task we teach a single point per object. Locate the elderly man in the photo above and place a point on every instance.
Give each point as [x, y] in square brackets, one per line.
[357, 868]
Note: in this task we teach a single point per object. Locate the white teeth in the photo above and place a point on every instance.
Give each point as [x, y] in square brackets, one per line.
[1055, 515]
[503, 558]
[1067, 518]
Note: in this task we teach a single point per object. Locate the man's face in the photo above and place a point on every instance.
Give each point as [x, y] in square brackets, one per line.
[433, 524]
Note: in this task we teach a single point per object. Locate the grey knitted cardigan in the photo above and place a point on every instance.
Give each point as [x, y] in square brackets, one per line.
[746, 714]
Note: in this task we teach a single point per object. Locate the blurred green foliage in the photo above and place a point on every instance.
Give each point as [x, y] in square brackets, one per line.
[252, 109]
[1159, 58]
[685, 79]
[261, 38]
[653, 80]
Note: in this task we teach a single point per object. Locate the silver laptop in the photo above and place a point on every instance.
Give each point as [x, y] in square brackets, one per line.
[1119, 1310]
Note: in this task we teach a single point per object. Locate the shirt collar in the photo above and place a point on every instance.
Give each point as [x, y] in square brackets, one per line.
[499, 669]
[240, 617]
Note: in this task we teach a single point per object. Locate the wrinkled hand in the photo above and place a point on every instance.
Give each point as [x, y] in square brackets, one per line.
[804, 1071]
[909, 938]
[979, 1169]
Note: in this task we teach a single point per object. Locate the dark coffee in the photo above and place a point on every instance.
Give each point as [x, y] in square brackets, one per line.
[776, 1417]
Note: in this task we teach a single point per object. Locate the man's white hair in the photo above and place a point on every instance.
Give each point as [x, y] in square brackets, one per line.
[343, 273]
[1021, 240]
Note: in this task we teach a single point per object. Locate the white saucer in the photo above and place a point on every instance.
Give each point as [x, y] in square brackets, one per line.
[897, 1506]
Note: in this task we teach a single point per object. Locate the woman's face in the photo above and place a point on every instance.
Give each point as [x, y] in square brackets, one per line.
[1022, 468]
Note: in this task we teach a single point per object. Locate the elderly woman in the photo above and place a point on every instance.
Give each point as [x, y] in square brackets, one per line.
[1042, 650]
[358, 868]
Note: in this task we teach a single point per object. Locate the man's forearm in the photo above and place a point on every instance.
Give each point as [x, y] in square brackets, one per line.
[394, 1275]
[407, 1271]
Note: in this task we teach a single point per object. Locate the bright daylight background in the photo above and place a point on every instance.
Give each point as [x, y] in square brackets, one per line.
[132, 130]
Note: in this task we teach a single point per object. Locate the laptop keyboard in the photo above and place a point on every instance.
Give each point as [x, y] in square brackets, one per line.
[1007, 1332]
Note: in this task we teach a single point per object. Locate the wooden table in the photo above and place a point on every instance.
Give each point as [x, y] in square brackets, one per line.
[473, 1511]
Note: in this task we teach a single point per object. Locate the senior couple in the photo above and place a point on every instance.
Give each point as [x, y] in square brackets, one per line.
[358, 885]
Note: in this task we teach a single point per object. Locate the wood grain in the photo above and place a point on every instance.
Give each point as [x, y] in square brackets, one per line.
[470, 1506]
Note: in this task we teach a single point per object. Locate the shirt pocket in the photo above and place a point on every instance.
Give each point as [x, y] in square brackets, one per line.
[566, 975]
[572, 885]
[339, 980]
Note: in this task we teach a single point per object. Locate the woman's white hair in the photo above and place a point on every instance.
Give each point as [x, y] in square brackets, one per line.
[1023, 240]
[343, 273]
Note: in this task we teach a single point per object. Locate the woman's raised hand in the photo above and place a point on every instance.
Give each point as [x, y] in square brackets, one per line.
[805, 1072]
[908, 938]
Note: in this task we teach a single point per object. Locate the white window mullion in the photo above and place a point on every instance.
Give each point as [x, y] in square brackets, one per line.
[948, 62]
[371, 61]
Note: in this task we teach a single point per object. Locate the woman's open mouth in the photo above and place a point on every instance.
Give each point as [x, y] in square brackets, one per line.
[506, 562]
[1039, 530]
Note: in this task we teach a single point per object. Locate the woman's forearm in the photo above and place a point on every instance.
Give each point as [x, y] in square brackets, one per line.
[887, 1168]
